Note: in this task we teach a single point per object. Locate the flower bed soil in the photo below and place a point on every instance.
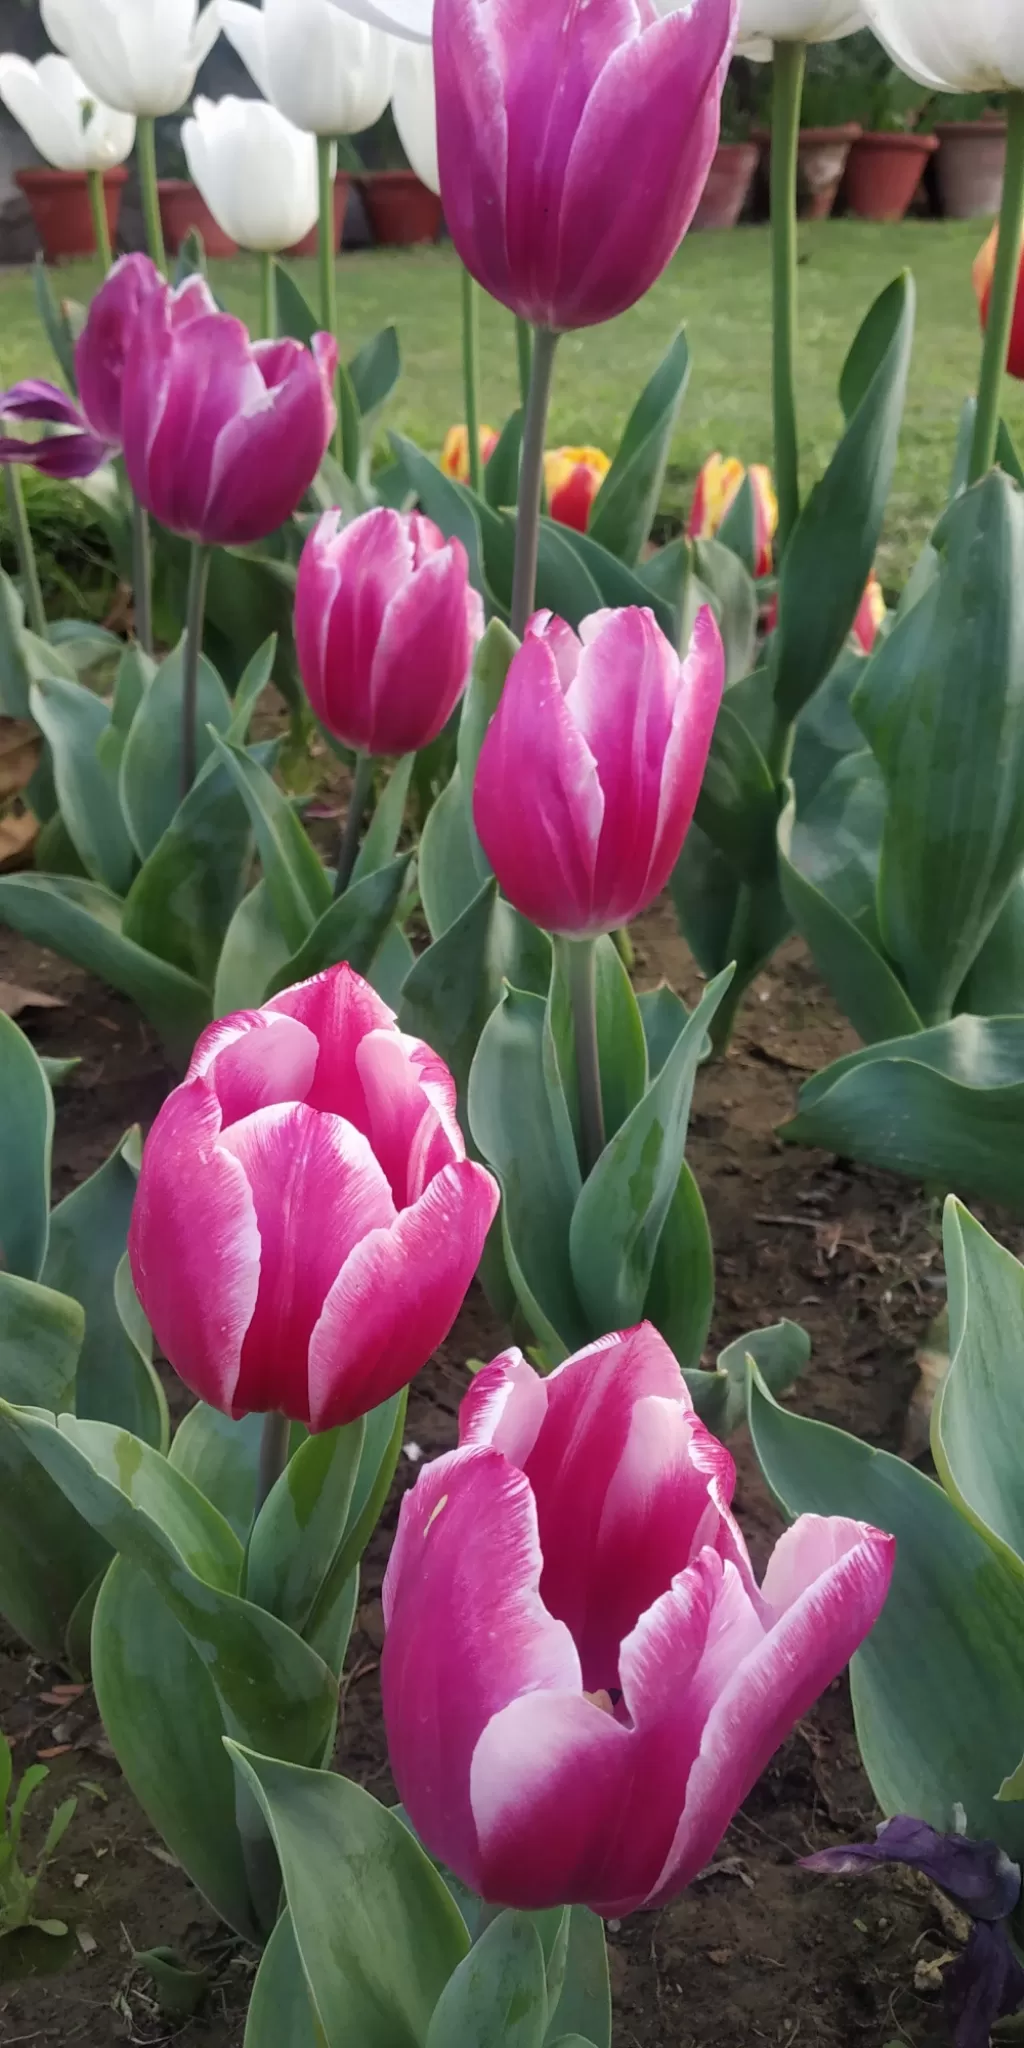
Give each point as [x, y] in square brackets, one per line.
[757, 1951]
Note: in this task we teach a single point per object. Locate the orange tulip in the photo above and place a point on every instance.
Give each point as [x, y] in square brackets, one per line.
[870, 615]
[455, 453]
[572, 478]
[983, 274]
[717, 489]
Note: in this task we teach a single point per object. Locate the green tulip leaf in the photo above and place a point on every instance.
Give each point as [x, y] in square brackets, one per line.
[721, 580]
[937, 1686]
[738, 806]
[978, 1410]
[497, 1997]
[625, 506]
[151, 763]
[221, 1457]
[73, 720]
[253, 953]
[584, 2008]
[719, 920]
[26, 1146]
[380, 840]
[663, 1015]
[352, 928]
[376, 1930]
[374, 371]
[281, 2011]
[456, 983]
[49, 1556]
[455, 511]
[82, 921]
[681, 1292]
[501, 470]
[299, 888]
[41, 1335]
[621, 1043]
[300, 1527]
[185, 895]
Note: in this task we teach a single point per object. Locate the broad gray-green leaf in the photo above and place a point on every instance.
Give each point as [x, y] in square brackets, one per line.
[41, 1336]
[221, 1458]
[497, 1997]
[301, 1525]
[88, 1234]
[254, 951]
[722, 581]
[352, 928]
[298, 885]
[151, 762]
[49, 1556]
[382, 835]
[73, 719]
[82, 921]
[620, 1215]
[979, 1410]
[952, 759]
[377, 1932]
[455, 984]
[621, 1043]
[26, 1146]
[584, 2008]
[663, 1015]
[681, 1293]
[624, 508]
[181, 902]
[280, 2009]
[937, 1686]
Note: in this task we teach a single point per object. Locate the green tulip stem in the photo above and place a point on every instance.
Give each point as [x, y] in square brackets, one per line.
[145, 151]
[347, 429]
[358, 805]
[471, 375]
[268, 295]
[274, 1447]
[580, 957]
[142, 576]
[31, 588]
[100, 224]
[1004, 295]
[198, 575]
[524, 358]
[789, 60]
[531, 479]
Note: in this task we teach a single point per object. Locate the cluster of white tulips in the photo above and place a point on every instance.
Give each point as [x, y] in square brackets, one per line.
[324, 69]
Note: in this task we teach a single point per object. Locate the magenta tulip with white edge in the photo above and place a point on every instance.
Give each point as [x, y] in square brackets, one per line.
[92, 424]
[582, 1679]
[222, 436]
[591, 767]
[538, 112]
[386, 622]
[307, 1222]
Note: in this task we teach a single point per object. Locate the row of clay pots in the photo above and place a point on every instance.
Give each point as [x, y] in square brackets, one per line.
[882, 172]
[401, 211]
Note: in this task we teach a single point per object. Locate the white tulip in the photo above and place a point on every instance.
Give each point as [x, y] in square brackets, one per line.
[68, 126]
[140, 55]
[764, 22]
[962, 46]
[256, 172]
[411, 20]
[414, 106]
[326, 72]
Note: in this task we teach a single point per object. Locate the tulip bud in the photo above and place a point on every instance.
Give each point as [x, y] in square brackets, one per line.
[717, 488]
[573, 151]
[870, 615]
[62, 117]
[326, 72]
[572, 479]
[307, 1222]
[222, 436]
[256, 172]
[386, 622]
[592, 764]
[455, 452]
[983, 275]
[622, 1678]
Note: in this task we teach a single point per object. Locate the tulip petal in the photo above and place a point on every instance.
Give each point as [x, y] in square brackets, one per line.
[693, 725]
[424, 652]
[300, 1164]
[541, 838]
[472, 129]
[194, 1244]
[623, 699]
[779, 1681]
[253, 1059]
[505, 1407]
[339, 1008]
[628, 1484]
[266, 455]
[64, 456]
[467, 1632]
[410, 1120]
[398, 1295]
[243, 26]
[36, 399]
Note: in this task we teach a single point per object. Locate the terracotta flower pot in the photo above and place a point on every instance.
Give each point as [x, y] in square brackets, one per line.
[971, 162]
[884, 172]
[728, 186]
[59, 201]
[401, 209]
[311, 242]
[822, 159]
[181, 210]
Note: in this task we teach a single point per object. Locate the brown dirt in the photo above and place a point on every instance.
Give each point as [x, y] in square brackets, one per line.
[757, 1951]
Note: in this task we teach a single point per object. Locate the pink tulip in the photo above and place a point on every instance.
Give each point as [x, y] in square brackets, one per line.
[592, 764]
[582, 1679]
[93, 427]
[385, 627]
[222, 436]
[307, 1222]
[574, 144]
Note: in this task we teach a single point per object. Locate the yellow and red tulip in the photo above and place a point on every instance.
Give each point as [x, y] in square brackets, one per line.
[455, 453]
[983, 275]
[870, 614]
[572, 479]
[716, 491]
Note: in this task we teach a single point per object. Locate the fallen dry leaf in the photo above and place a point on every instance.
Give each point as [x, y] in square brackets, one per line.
[20, 746]
[17, 838]
[13, 1000]
[932, 1366]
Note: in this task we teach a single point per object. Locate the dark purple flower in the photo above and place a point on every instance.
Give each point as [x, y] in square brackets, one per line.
[986, 1983]
[72, 454]
[93, 426]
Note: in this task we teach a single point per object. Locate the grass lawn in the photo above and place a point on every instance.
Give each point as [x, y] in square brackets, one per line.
[719, 287]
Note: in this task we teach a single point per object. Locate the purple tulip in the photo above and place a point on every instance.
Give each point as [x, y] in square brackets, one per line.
[94, 425]
[574, 144]
[385, 625]
[986, 1982]
[222, 436]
